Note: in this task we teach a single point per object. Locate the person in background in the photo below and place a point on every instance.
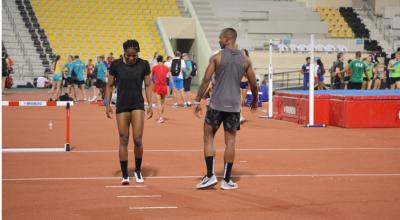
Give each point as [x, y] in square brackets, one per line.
[159, 76]
[68, 72]
[338, 72]
[394, 67]
[4, 72]
[187, 79]
[109, 60]
[371, 71]
[90, 73]
[170, 86]
[358, 69]
[319, 73]
[56, 68]
[305, 70]
[42, 82]
[101, 71]
[176, 67]
[78, 67]
[154, 62]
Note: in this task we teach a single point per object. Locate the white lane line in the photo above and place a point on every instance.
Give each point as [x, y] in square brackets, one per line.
[195, 177]
[250, 149]
[121, 186]
[141, 196]
[152, 207]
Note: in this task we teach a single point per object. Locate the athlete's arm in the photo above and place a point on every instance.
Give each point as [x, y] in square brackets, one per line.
[149, 93]
[109, 90]
[206, 79]
[251, 76]
[205, 83]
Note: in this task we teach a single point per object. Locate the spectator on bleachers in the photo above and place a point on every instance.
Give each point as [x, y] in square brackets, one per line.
[110, 59]
[337, 71]
[358, 69]
[187, 78]
[371, 71]
[154, 62]
[78, 68]
[42, 82]
[305, 70]
[319, 74]
[177, 66]
[56, 69]
[394, 67]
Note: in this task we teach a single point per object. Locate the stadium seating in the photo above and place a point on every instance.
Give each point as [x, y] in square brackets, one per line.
[93, 27]
[338, 27]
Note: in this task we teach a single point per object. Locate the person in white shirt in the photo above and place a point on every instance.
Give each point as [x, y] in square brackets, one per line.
[176, 72]
[41, 82]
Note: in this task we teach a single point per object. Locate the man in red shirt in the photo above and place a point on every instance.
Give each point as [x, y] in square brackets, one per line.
[160, 74]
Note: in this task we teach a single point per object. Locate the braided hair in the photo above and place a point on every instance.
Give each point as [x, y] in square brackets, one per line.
[131, 44]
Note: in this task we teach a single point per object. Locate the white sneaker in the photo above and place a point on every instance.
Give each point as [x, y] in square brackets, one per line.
[207, 182]
[228, 185]
[138, 177]
[175, 105]
[125, 181]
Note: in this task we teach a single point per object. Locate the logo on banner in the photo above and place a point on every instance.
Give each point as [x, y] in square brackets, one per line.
[291, 110]
[32, 103]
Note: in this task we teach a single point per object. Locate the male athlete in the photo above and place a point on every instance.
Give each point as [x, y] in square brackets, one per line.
[228, 67]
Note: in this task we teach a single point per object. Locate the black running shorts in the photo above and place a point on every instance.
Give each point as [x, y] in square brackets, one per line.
[231, 120]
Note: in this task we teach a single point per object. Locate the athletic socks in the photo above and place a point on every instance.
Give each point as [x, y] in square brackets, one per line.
[227, 171]
[210, 166]
[124, 169]
[138, 164]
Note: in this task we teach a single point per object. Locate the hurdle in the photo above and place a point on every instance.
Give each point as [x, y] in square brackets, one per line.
[311, 90]
[66, 104]
[270, 85]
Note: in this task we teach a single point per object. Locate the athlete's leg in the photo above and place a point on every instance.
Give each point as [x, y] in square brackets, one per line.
[137, 123]
[123, 123]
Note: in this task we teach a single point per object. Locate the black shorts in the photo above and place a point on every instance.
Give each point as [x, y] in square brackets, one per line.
[100, 84]
[244, 85]
[78, 82]
[122, 110]
[347, 78]
[353, 85]
[231, 120]
[186, 84]
[393, 80]
[69, 81]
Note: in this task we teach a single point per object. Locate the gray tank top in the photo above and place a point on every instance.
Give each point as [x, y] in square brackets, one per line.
[228, 74]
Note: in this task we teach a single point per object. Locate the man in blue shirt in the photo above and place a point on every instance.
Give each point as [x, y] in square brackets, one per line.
[78, 68]
[305, 70]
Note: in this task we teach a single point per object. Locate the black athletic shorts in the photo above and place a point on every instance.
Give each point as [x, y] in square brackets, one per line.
[119, 110]
[231, 120]
[347, 78]
[69, 81]
[78, 82]
[100, 84]
[394, 79]
[353, 85]
[186, 84]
